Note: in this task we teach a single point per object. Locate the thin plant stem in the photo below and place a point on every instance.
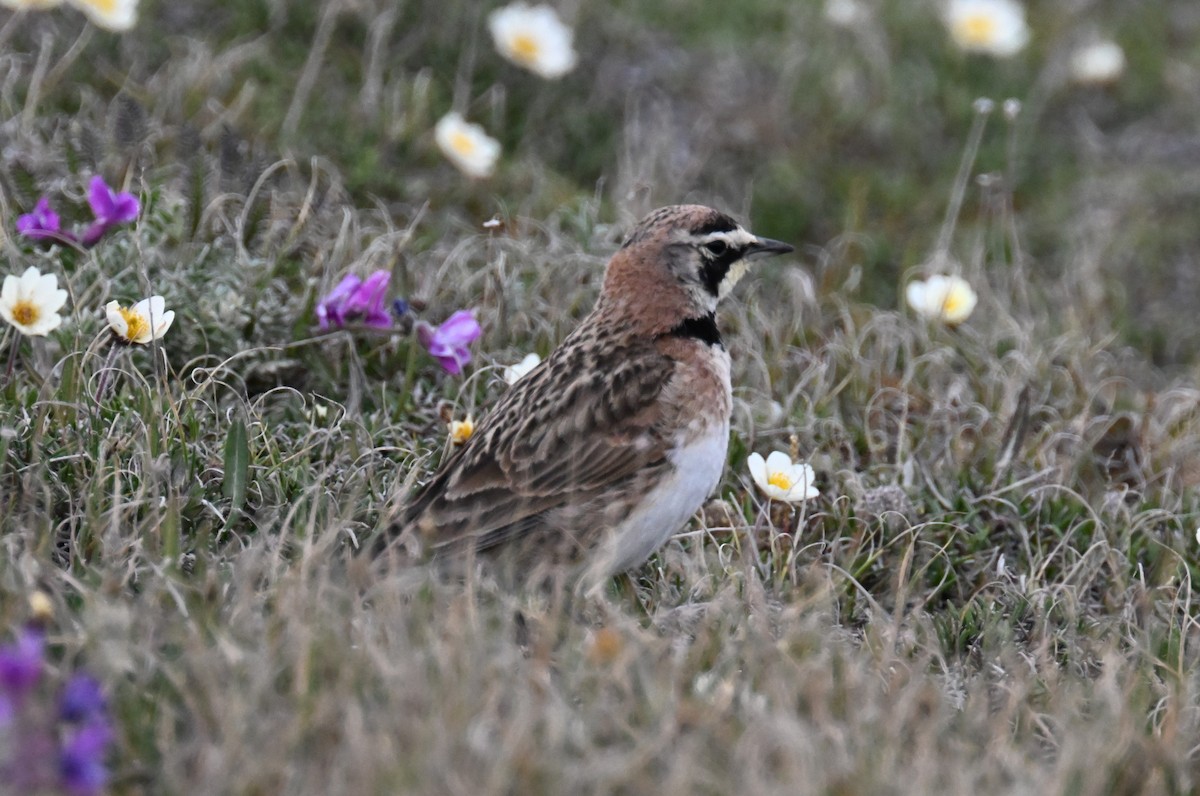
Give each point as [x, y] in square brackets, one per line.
[12, 359]
[983, 109]
[102, 386]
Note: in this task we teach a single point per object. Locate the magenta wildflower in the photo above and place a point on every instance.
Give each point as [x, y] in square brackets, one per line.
[110, 209]
[42, 223]
[448, 343]
[356, 300]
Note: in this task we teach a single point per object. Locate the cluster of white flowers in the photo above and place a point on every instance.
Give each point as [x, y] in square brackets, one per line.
[998, 28]
[31, 303]
[532, 37]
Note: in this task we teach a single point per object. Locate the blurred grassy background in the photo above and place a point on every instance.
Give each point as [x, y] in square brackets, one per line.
[993, 593]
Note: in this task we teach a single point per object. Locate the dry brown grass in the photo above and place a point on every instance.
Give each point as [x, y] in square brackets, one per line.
[992, 595]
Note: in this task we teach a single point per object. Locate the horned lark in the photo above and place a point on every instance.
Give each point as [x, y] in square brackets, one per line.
[611, 444]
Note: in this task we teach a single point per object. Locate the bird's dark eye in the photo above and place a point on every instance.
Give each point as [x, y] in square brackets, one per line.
[717, 247]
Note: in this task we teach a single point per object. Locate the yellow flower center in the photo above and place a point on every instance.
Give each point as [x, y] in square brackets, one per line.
[952, 303]
[25, 313]
[525, 47]
[462, 143]
[136, 323]
[977, 29]
[461, 431]
[780, 480]
[107, 6]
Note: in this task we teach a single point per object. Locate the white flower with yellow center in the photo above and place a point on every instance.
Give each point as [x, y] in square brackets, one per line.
[1098, 63]
[513, 373]
[467, 146]
[145, 321]
[461, 430]
[993, 27]
[949, 299]
[110, 14]
[533, 37]
[780, 478]
[31, 302]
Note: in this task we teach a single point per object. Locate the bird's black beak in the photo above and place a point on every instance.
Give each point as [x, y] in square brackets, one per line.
[765, 247]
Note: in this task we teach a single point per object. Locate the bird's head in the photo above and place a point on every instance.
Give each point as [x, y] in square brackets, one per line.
[682, 260]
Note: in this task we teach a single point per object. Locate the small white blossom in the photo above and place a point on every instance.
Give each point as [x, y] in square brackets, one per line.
[467, 146]
[1098, 63]
[846, 13]
[111, 14]
[514, 372]
[993, 27]
[781, 479]
[533, 37]
[31, 302]
[145, 321]
[949, 299]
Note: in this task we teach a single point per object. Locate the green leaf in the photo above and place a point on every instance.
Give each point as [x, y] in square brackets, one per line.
[237, 464]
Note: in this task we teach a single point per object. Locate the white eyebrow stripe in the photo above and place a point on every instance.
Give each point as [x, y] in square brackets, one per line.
[736, 238]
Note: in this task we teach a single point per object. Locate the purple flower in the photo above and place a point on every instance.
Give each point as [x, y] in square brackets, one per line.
[20, 668]
[82, 699]
[448, 342]
[110, 209]
[356, 300]
[331, 310]
[81, 764]
[21, 663]
[42, 223]
[368, 303]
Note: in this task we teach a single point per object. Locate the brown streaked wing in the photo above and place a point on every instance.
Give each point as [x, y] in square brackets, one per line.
[558, 436]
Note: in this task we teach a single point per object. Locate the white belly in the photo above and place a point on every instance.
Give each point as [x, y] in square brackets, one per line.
[696, 470]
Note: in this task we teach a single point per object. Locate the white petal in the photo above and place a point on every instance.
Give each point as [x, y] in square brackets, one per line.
[112, 310]
[163, 322]
[758, 470]
[915, 293]
[56, 300]
[802, 484]
[514, 373]
[778, 462]
[8, 293]
[774, 492]
[28, 283]
[46, 284]
[110, 14]
[47, 322]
